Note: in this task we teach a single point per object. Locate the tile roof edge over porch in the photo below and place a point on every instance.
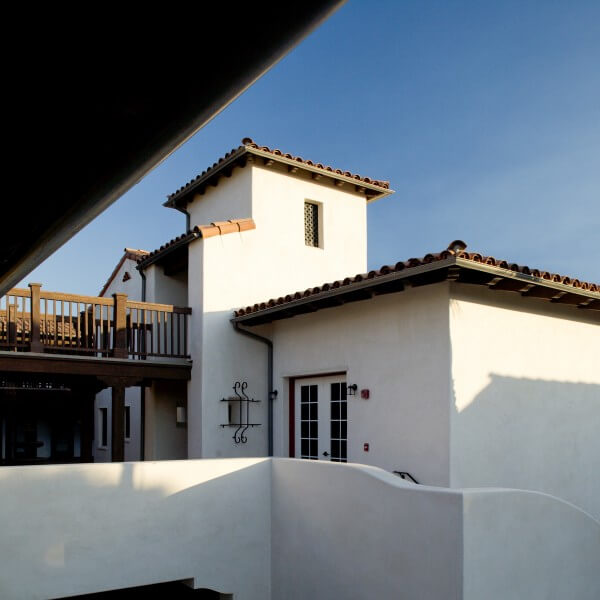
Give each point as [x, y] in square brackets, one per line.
[199, 231]
[453, 264]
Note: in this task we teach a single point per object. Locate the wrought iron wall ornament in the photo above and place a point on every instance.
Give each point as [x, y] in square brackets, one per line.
[243, 421]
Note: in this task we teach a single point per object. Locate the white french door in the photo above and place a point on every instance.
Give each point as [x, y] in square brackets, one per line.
[321, 426]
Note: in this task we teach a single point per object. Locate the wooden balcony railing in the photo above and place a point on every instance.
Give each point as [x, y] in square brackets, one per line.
[33, 320]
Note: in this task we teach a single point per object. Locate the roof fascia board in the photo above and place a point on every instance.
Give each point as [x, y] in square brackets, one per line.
[525, 278]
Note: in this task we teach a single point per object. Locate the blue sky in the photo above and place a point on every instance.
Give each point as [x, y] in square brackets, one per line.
[484, 116]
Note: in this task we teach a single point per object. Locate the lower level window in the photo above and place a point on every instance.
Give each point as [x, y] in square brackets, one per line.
[127, 422]
[103, 426]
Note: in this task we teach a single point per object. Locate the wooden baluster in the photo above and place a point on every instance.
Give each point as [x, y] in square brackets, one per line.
[158, 332]
[151, 332]
[78, 329]
[62, 321]
[86, 329]
[100, 342]
[185, 334]
[144, 339]
[11, 322]
[55, 319]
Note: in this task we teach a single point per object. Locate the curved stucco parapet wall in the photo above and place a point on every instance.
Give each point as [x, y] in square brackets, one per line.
[286, 529]
[520, 544]
[357, 532]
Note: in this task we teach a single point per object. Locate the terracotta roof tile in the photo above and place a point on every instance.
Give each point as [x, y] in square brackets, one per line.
[455, 249]
[199, 231]
[249, 146]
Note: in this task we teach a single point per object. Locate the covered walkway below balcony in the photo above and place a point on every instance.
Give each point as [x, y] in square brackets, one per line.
[57, 351]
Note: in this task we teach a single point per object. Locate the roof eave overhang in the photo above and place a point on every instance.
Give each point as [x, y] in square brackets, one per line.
[372, 191]
[450, 268]
[155, 258]
[180, 199]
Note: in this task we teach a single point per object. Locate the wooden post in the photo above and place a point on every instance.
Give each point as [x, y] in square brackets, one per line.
[120, 325]
[87, 424]
[35, 341]
[118, 423]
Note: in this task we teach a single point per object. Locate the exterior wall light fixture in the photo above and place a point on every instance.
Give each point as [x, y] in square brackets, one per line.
[273, 395]
[352, 389]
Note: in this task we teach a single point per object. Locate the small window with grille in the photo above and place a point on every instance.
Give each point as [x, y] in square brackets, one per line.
[311, 224]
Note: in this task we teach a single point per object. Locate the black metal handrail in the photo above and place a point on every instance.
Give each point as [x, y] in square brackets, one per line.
[405, 475]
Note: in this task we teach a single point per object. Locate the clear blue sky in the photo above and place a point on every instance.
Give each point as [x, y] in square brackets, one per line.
[484, 116]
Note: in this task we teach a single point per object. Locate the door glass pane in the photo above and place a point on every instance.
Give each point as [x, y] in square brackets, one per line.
[309, 422]
[339, 429]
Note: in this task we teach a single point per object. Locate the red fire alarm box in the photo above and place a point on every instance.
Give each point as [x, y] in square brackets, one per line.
[364, 394]
[366, 446]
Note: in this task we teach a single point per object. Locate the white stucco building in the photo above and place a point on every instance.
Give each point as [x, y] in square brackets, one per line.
[477, 378]
[459, 369]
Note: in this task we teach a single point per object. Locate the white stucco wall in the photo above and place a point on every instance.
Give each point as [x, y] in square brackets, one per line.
[90, 528]
[397, 347]
[164, 439]
[286, 529]
[133, 443]
[526, 387]
[278, 210]
[230, 199]
[236, 269]
[132, 287]
[354, 533]
[166, 289]
[529, 545]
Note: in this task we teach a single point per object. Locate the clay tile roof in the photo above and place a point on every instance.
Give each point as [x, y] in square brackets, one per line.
[456, 250]
[199, 231]
[249, 146]
[129, 253]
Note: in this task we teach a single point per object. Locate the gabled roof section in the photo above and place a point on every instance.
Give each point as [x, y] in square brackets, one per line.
[250, 152]
[131, 254]
[199, 231]
[454, 264]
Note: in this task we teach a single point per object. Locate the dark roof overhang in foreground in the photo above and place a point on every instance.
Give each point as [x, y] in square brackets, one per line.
[94, 104]
[453, 264]
[251, 152]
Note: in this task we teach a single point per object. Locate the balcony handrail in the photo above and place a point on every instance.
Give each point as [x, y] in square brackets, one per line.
[42, 321]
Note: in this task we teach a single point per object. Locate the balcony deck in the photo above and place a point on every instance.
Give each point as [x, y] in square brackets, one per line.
[55, 332]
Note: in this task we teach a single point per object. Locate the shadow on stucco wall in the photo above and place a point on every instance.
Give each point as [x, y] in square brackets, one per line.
[76, 529]
[531, 434]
